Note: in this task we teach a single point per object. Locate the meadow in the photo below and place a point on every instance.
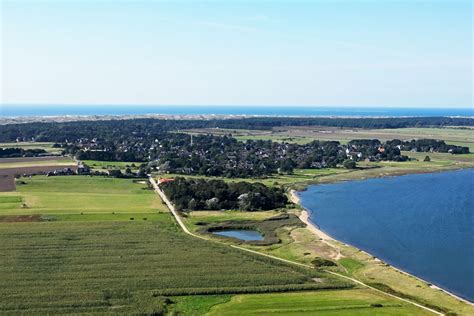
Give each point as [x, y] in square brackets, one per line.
[338, 302]
[82, 194]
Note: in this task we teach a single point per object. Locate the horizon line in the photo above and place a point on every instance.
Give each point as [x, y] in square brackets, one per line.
[237, 105]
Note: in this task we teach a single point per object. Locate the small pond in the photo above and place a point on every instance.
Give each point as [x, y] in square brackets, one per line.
[247, 235]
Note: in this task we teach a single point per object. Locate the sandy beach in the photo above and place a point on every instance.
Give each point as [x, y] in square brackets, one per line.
[304, 217]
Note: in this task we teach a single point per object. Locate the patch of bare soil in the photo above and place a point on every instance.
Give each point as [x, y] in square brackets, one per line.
[7, 180]
[20, 218]
[7, 183]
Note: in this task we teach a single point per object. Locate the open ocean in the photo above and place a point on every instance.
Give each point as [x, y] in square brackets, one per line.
[422, 224]
[54, 110]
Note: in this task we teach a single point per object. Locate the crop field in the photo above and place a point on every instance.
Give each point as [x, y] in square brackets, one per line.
[339, 302]
[97, 266]
[95, 245]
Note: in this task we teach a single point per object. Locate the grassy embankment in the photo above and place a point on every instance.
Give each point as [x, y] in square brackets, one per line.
[87, 255]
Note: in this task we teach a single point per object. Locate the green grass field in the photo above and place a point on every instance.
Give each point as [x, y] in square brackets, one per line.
[82, 194]
[339, 302]
[106, 165]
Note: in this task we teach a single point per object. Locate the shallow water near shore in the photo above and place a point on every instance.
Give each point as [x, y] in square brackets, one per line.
[422, 224]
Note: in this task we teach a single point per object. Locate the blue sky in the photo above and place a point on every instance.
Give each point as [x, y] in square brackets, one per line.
[322, 53]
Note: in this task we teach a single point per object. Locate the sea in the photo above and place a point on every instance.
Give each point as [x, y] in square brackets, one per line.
[422, 224]
[15, 110]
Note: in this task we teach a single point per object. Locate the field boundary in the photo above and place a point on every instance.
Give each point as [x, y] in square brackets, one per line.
[187, 231]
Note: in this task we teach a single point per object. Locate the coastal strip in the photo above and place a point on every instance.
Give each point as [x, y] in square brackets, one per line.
[304, 216]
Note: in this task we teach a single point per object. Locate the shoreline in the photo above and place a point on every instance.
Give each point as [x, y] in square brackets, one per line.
[304, 216]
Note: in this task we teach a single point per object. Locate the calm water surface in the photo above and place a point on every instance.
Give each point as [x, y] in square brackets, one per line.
[247, 235]
[422, 224]
[135, 109]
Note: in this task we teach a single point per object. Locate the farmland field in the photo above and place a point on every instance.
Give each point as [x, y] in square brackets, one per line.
[63, 261]
[102, 265]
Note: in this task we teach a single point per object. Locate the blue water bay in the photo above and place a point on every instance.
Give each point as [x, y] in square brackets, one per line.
[422, 224]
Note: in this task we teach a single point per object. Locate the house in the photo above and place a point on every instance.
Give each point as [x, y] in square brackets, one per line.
[164, 180]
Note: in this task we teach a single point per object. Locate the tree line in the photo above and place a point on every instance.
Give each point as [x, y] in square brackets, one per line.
[20, 152]
[200, 194]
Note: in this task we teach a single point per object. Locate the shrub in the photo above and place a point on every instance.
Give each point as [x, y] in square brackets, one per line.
[321, 262]
[349, 164]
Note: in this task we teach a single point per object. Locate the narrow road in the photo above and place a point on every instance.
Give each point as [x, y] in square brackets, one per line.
[186, 230]
[172, 208]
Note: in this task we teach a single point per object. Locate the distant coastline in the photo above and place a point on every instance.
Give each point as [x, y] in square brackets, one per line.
[44, 110]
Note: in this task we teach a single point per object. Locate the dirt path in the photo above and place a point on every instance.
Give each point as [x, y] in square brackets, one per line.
[391, 295]
[186, 230]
